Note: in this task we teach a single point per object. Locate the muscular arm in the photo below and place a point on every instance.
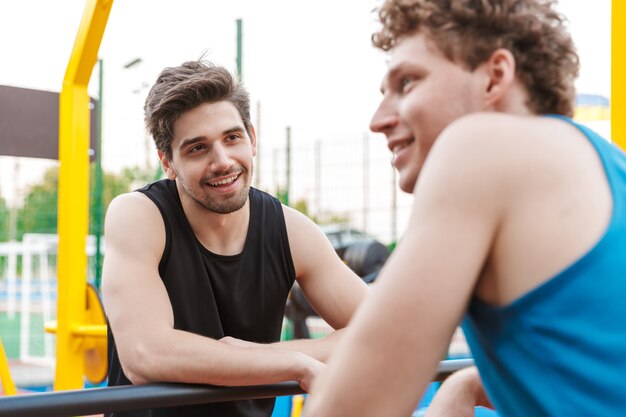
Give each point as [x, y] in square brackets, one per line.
[331, 288]
[391, 350]
[141, 317]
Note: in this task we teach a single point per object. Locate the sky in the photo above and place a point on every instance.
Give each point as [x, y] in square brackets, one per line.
[308, 65]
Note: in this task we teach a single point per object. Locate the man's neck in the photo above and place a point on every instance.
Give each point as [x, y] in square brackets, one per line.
[222, 234]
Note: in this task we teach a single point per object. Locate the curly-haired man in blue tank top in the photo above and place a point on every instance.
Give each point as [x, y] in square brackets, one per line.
[517, 229]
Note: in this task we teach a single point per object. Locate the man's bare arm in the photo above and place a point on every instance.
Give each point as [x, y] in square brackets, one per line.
[320, 348]
[333, 290]
[392, 348]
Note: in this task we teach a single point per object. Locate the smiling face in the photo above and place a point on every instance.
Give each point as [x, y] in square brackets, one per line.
[423, 92]
[212, 157]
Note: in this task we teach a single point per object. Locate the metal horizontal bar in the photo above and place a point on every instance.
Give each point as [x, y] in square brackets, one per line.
[133, 397]
[91, 330]
[137, 397]
[448, 367]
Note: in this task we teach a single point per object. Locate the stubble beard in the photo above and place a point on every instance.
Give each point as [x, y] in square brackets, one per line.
[225, 206]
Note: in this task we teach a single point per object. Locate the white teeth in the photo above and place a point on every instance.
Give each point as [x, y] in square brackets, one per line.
[398, 148]
[401, 146]
[224, 181]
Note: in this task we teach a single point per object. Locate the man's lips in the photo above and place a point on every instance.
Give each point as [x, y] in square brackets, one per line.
[222, 181]
[401, 145]
[396, 145]
[398, 148]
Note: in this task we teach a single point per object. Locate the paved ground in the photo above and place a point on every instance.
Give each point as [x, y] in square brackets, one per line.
[34, 378]
[28, 375]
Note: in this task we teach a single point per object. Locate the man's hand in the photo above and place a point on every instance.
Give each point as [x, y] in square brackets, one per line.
[233, 341]
[458, 395]
[312, 369]
[308, 367]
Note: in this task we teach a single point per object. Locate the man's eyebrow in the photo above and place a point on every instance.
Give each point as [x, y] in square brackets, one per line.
[190, 141]
[391, 74]
[383, 83]
[234, 129]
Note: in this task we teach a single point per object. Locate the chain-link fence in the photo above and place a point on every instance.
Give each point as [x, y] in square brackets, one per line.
[347, 182]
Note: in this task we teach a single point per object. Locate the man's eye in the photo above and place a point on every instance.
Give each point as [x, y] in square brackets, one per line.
[196, 148]
[406, 83]
[232, 138]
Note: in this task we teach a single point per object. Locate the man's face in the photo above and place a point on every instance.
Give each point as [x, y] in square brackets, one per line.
[423, 92]
[212, 157]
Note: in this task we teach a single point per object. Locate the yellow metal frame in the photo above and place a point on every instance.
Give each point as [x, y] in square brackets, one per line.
[90, 338]
[618, 73]
[74, 195]
[5, 375]
[297, 404]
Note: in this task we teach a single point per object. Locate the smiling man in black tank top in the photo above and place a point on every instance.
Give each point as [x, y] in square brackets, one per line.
[198, 266]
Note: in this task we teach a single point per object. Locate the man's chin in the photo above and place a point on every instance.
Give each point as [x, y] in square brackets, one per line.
[224, 205]
[407, 184]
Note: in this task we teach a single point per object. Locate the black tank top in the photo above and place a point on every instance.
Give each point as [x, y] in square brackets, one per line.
[213, 295]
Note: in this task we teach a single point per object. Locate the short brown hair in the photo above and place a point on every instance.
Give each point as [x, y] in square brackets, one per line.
[180, 89]
[469, 31]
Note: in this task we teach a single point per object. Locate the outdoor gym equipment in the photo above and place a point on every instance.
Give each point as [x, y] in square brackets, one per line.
[71, 332]
[365, 258]
[5, 376]
[92, 342]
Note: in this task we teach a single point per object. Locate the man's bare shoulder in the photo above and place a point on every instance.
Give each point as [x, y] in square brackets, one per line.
[295, 218]
[477, 144]
[501, 130]
[507, 143]
[133, 215]
[132, 198]
[129, 205]
[301, 229]
[496, 158]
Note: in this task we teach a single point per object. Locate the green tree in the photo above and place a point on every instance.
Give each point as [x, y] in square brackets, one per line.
[282, 195]
[138, 176]
[113, 185]
[39, 211]
[303, 207]
[4, 220]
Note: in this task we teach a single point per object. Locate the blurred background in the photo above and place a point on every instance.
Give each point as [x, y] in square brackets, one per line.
[314, 81]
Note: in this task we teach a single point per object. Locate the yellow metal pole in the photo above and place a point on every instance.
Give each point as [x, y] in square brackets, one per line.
[618, 73]
[5, 375]
[74, 194]
[297, 404]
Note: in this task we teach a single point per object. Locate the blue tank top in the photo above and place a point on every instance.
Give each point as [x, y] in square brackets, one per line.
[560, 349]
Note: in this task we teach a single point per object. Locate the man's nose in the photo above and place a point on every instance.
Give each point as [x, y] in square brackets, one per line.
[384, 119]
[220, 159]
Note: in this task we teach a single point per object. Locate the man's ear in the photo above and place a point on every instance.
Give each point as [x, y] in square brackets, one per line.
[253, 139]
[500, 72]
[166, 163]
